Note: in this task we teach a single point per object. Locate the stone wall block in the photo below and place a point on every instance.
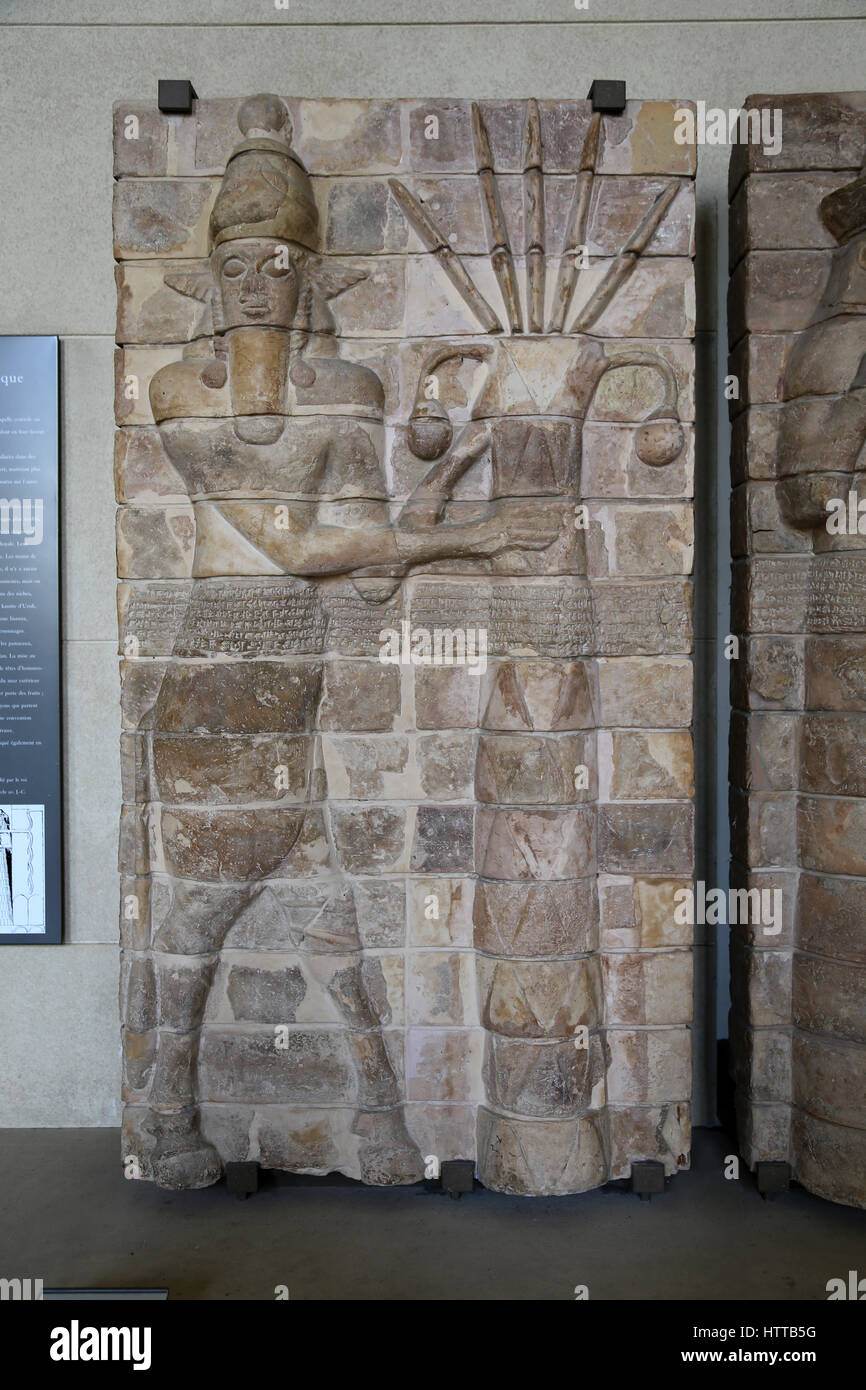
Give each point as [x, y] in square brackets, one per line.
[140, 143]
[645, 838]
[539, 999]
[821, 130]
[536, 919]
[645, 693]
[658, 1132]
[657, 1060]
[544, 1080]
[162, 217]
[831, 916]
[524, 1157]
[648, 988]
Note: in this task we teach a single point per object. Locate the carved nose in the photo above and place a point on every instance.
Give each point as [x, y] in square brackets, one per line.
[253, 285]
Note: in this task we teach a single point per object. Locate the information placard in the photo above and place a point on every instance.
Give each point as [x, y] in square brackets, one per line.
[31, 896]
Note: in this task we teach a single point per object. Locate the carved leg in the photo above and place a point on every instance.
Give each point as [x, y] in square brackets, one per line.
[387, 1154]
[186, 955]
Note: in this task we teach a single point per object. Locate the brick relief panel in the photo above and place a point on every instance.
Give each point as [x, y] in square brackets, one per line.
[797, 315]
[404, 468]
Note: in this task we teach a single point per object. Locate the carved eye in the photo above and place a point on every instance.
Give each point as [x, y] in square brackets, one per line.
[277, 270]
[233, 268]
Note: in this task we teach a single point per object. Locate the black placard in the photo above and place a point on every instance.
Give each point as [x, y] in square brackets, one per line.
[30, 788]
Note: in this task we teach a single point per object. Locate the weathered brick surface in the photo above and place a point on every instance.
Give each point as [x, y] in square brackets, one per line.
[375, 911]
[798, 795]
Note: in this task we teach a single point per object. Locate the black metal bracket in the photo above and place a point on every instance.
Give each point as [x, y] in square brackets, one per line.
[607, 97]
[176, 98]
[647, 1178]
[457, 1175]
[771, 1178]
[242, 1179]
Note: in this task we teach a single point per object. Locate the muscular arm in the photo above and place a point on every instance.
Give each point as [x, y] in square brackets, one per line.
[292, 536]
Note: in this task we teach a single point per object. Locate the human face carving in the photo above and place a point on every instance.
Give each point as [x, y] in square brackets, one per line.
[259, 282]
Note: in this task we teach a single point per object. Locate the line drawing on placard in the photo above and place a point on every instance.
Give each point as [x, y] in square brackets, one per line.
[22, 869]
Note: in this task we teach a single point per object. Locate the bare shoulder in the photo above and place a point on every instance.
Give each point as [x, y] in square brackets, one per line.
[182, 389]
[341, 383]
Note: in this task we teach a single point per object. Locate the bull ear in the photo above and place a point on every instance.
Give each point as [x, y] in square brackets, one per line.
[195, 284]
[330, 278]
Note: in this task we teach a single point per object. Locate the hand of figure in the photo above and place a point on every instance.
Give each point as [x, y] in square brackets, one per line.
[519, 525]
[420, 515]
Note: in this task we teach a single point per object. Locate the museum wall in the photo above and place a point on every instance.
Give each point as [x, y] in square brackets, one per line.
[58, 1006]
